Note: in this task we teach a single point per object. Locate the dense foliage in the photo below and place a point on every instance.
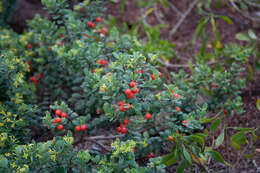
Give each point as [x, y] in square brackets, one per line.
[71, 77]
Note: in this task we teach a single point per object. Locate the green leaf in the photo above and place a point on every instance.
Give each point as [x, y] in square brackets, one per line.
[214, 126]
[181, 167]
[3, 162]
[252, 35]
[250, 73]
[235, 145]
[256, 64]
[186, 155]
[220, 138]
[239, 137]
[242, 37]
[198, 30]
[258, 104]
[226, 19]
[198, 139]
[60, 170]
[171, 158]
[216, 156]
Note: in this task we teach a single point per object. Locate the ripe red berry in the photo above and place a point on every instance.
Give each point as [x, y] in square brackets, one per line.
[132, 84]
[147, 116]
[58, 120]
[39, 75]
[33, 80]
[184, 122]
[63, 115]
[59, 127]
[121, 108]
[103, 31]
[149, 156]
[159, 74]
[122, 125]
[61, 35]
[98, 19]
[29, 46]
[135, 90]
[170, 138]
[118, 129]
[58, 112]
[123, 130]
[128, 106]
[120, 103]
[104, 62]
[134, 150]
[139, 71]
[130, 96]
[213, 85]
[91, 25]
[126, 121]
[53, 121]
[175, 95]
[128, 92]
[225, 112]
[83, 127]
[172, 91]
[59, 43]
[152, 77]
[178, 109]
[77, 128]
[85, 35]
[93, 70]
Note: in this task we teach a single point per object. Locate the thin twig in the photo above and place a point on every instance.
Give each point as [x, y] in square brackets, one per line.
[183, 17]
[157, 13]
[245, 14]
[144, 18]
[175, 9]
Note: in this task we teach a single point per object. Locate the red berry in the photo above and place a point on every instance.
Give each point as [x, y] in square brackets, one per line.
[93, 70]
[225, 112]
[213, 85]
[104, 62]
[128, 92]
[121, 108]
[184, 122]
[118, 129]
[103, 31]
[77, 128]
[126, 121]
[83, 127]
[58, 120]
[33, 80]
[178, 109]
[135, 90]
[61, 35]
[120, 103]
[58, 112]
[59, 43]
[175, 95]
[134, 150]
[98, 19]
[147, 116]
[85, 35]
[91, 25]
[122, 125]
[123, 130]
[152, 77]
[170, 138]
[63, 115]
[29, 46]
[128, 106]
[130, 96]
[59, 127]
[39, 75]
[132, 84]
[159, 74]
[172, 91]
[149, 156]
[53, 121]
[139, 71]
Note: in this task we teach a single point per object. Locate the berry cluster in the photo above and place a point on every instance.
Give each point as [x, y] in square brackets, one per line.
[58, 119]
[159, 75]
[122, 127]
[123, 106]
[34, 79]
[130, 92]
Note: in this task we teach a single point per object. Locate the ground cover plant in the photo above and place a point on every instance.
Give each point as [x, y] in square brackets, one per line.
[104, 103]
